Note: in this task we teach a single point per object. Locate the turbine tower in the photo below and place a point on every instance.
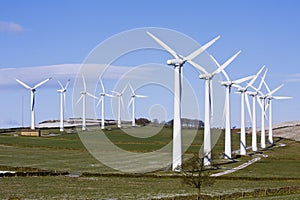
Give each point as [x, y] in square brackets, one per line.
[270, 97]
[262, 104]
[32, 97]
[178, 63]
[227, 84]
[83, 95]
[119, 95]
[132, 102]
[101, 100]
[62, 92]
[242, 91]
[254, 98]
[209, 104]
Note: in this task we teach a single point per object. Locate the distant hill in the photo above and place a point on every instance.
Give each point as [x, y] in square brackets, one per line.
[289, 130]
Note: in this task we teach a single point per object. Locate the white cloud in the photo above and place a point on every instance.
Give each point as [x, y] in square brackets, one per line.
[293, 78]
[33, 75]
[10, 27]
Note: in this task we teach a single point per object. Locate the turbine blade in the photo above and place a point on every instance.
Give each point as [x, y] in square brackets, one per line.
[259, 102]
[266, 85]
[91, 95]
[248, 106]
[140, 96]
[41, 83]
[84, 83]
[65, 88]
[254, 88]
[262, 80]
[266, 108]
[275, 90]
[60, 85]
[122, 102]
[100, 100]
[281, 97]
[124, 89]
[226, 63]
[197, 66]
[162, 44]
[224, 109]
[130, 86]
[117, 93]
[81, 96]
[109, 95]
[255, 77]
[130, 102]
[243, 79]
[237, 86]
[201, 49]
[25, 85]
[102, 86]
[219, 66]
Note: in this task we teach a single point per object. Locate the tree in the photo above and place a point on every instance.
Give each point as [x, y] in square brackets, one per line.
[195, 174]
[142, 121]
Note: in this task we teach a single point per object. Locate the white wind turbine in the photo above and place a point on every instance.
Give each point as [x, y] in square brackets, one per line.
[242, 91]
[228, 84]
[119, 95]
[32, 97]
[209, 103]
[254, 98]
[83, 95]
[270, 97]
[262, 104]
[132, 102]
[62, 92]
[178, 63]
[101, 100]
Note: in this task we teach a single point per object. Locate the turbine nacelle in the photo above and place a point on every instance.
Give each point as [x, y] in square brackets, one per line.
[252, 94]
[227, 83]
[62, 91]
[241, 90]
[206, 76]
[176, 62]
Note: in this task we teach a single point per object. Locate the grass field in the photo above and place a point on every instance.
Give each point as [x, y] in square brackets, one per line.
[66, 153]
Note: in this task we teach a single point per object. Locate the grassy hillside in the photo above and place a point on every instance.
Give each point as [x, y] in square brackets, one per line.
[279, 168]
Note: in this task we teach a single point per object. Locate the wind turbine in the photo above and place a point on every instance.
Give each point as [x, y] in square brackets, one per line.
[262, 104]
[83, 95]
[120, 101]
[209, 104]
[270, 97]
[62, 92]
[132, 102]
[254, 98]
[101, 100]
[178, 63]
[242, 91]
[227, 84]
[32, 97]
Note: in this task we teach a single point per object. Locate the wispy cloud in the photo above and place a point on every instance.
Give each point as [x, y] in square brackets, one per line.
[10, 27]
[33, 75]
[293, 78]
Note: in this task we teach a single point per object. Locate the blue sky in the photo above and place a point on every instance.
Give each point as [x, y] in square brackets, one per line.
[46, 33]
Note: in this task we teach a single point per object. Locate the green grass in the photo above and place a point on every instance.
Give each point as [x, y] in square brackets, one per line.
[119, 187]
[67, 153]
